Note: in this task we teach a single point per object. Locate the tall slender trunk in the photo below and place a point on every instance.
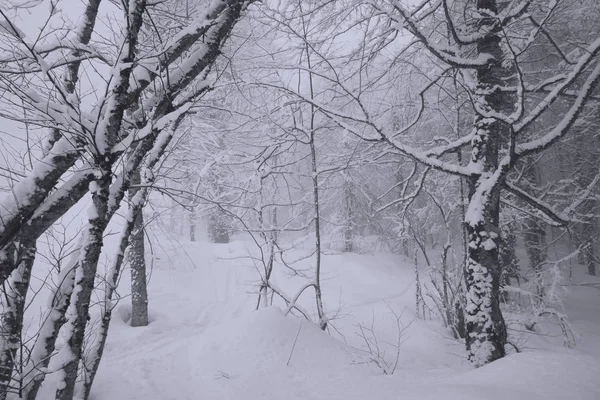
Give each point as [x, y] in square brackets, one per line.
[509, 262]
[349, 225]
[14, 294]
[264, 287]
[192, 221]
[139, 289]
[137, 262]
[458, 322]
[534, 237]
[85, 276]
[315, 181]
[317, 219]
[268, 236]
[44, 346]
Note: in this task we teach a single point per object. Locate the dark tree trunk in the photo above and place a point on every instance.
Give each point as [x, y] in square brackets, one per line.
[485, 327]
[14, 293]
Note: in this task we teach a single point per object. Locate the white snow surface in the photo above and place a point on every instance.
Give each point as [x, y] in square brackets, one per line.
[206, 341]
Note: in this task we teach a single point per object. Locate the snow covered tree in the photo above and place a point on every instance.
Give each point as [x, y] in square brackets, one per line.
[487, 43]
[92, 148]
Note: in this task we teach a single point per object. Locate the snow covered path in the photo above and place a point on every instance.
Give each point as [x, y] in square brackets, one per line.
[206, 342]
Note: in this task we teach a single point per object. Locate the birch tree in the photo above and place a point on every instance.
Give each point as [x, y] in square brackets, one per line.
[85, 146]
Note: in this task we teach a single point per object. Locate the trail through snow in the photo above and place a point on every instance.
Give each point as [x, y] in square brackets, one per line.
[206, 341]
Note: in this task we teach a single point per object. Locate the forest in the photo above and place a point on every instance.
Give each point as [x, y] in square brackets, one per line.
[299, 199]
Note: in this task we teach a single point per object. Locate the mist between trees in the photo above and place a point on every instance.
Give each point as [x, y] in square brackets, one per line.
[462, 134]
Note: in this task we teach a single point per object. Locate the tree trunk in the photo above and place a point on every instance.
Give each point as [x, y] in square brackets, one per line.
[589, 229]
[486, 331]
[137, 261]
[485, 327]
[509, 262]
[138, 198]
[349, 226]
[45, 344]
[218, 227]
[535, 247]
[590, 236]
[192, 219]
[139, 290]
[264, 287]
[84, 283]
[92, 359]
[317, 220]
[14, 293]
[38, 188]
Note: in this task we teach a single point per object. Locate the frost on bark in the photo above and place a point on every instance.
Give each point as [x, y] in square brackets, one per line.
[485, 327]
[45, 344]
[91, 361]
[138, 197]
[14, 293]
[98, 212]
[84, 285]
[486, 44]
[137, 261]
[41, 201]
[486, 331]
[59, 156]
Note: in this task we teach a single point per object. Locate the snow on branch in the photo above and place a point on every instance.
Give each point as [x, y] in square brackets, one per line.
[565, 80]
[561, 219]
[562, 128]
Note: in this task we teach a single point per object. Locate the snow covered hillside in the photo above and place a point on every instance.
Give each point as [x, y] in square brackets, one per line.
[206, 341]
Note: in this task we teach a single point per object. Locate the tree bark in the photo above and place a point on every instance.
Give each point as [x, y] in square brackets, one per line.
[192, 220]
[137, 261]
[45, 344]
[349, 225]
[508, 256]
[85, 276]
[14, 294]
[485, 327]
[38, 188]
[99, 212]
[92, 360]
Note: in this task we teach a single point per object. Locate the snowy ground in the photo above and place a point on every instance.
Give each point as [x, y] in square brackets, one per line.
[207, 342]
